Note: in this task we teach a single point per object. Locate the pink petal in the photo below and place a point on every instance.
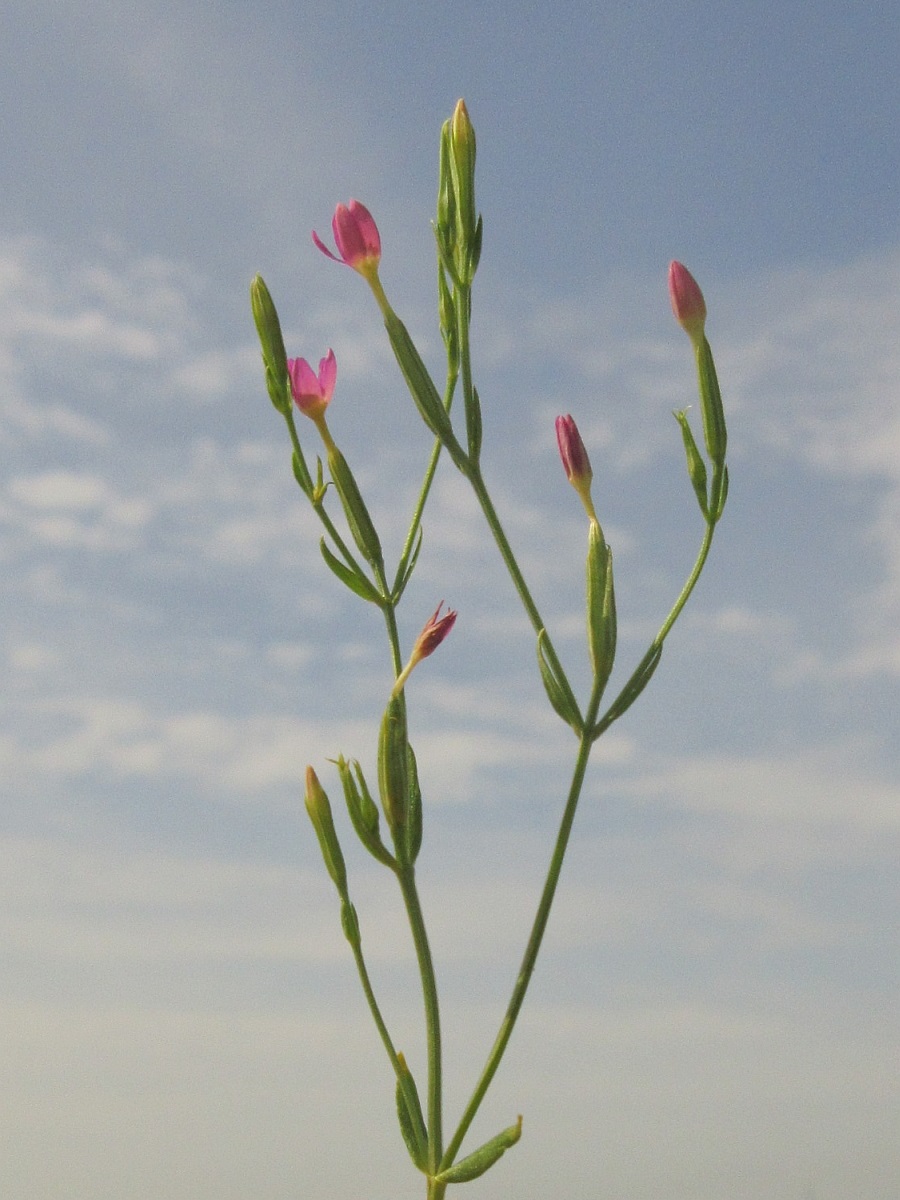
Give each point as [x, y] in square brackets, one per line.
[327, 375]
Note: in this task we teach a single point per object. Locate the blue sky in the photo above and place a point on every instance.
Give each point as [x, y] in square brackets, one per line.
[715, 1013]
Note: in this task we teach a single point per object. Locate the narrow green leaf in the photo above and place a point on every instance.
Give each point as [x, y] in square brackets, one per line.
[354, 580]
[408, 570]
[414, 810]
[483, 1159]
[409, 1114]
[695, 464]
[632, 689]
[556, 694]
[421, 388]
[473, 425]
[301, 473]
[361, 526]
[719, 493]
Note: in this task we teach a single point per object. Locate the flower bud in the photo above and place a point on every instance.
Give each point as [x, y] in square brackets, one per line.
[575, 461]
[319, 810]
[688, 304]
[268, 327]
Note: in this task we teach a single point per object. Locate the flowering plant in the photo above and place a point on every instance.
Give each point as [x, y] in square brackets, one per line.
[355, 556]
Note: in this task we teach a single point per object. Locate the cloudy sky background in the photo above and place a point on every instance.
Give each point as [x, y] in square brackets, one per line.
[715, 1013]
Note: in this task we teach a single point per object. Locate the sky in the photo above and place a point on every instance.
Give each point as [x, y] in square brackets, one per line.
[714, 1013]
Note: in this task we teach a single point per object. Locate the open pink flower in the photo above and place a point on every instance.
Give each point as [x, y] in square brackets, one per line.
[356, 237]
[312, 393]
[688, 304]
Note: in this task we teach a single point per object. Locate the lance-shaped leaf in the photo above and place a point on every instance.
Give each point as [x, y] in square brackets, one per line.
[301, 473]
[632, 689]
[414, 809]
[601, 606]
[407, 569]
[473, 425]
[363, 810]
[357, 514]
[354, 580]
[483, 1159]
[557, 695]
[409, 1114]
[695, 464]
[718, 493]
[421, 387]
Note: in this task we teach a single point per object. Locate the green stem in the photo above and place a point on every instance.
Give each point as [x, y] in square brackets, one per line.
[405, 873]
[425, 490]
[688, 586]
[319, 509]
[407, 879]
[512, 566]
[536, 936]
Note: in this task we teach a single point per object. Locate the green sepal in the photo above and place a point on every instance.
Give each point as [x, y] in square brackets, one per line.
[350, 924]
[421, 387]
[556, 693]
[447, 316]
[475, 249]
[403, 580]
[483, 1158]
[393, 766]
[601, 606]
[301, 472]
[473, 425]
[354, 580]
[363, 810]
[632, 689]
[409, 1114]
[279, 392]
[718, 493]
[414, 809]
[711, 406]
[695, 464]
[357, 514]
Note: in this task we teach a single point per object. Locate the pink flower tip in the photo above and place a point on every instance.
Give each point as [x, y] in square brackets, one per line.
[688, 304]
[312, 392]
[356, 237]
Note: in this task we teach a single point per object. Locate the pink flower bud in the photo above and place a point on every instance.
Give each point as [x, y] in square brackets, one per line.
[356, 237]
[575, 461]
[312, 393]
[572, 452]
[688, 304]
